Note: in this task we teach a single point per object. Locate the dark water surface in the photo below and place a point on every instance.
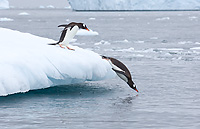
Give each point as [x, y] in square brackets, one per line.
[161, 49]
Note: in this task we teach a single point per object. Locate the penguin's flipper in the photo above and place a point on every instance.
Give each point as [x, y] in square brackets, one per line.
[62, 35]
[122, 72]
[117, 71]
[64, 25]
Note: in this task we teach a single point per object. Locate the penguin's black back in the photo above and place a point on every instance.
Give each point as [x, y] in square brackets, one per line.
[121, 66]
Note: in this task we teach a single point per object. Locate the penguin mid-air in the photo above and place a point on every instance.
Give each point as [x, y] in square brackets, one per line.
[121, 70]
[68, 33]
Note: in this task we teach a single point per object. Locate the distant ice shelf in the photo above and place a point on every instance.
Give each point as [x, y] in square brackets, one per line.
[4, 4]
[135, 4]
[28, 63]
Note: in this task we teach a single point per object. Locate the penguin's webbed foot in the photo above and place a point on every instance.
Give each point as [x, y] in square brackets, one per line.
[70, 48]
[61, 46]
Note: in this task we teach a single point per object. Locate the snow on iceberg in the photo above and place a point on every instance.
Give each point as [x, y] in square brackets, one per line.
[135, 4]
[28, 63]
[4, 4]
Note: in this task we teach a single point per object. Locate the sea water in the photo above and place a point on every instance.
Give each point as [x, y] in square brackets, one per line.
[161, 49]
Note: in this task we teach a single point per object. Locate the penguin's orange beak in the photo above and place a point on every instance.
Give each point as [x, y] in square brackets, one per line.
[87, 29]
[135, 88]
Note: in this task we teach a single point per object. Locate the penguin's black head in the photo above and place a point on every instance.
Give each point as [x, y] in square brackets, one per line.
[83, 26]
[104, 57]
[72, 24]
[132, 85]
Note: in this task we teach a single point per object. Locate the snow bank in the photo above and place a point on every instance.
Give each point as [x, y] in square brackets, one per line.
[28, 63]
[4, 4]
[135, 4]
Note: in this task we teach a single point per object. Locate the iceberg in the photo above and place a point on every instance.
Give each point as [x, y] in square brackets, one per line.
[28, 63]
[135, 4]
[86, 33]
[4, 4]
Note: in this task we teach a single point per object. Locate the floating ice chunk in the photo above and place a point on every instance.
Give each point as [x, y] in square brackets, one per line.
[131, 49]
[138, 41]
[193, 18]
[175, 49]
[85, 32]
[50, 6]
[32, 64]
[73, 40]
[68, 7]
[137, 55]
[102, 42]
[154, 38]
[5, 19]
[125, 40]
[162, 19]
[78, 43]
[195, 48]
[184, 42]
[41, 7]
[170, 49]
[92, 18]
[24, 13]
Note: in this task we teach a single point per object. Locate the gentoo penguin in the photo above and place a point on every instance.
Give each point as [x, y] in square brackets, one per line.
[121, 70]
[68, 33]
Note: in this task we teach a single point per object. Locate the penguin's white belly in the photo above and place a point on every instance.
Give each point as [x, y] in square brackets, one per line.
[70, 35]
[123, 77]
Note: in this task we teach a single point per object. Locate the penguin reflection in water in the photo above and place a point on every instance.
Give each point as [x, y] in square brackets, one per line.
[121, 70]
[68, 33]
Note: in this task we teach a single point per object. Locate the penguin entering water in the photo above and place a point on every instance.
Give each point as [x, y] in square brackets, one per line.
[68, 33]
[121, 70]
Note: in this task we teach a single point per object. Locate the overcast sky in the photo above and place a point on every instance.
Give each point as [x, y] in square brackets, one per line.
[37, 3]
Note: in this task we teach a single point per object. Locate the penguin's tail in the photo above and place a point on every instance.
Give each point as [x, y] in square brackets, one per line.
[53, 43]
